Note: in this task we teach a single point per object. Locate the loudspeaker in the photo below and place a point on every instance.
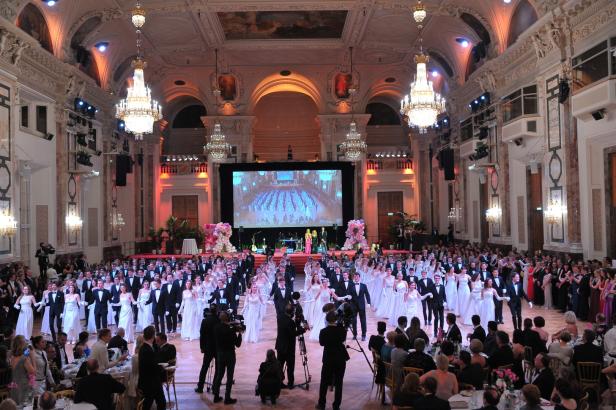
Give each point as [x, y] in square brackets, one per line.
[122, 165]
[598, 115]
[447, 160]
[563, 91]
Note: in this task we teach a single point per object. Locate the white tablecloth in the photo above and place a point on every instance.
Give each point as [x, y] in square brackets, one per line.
[62, 404]
[189, 247]
[475, 401]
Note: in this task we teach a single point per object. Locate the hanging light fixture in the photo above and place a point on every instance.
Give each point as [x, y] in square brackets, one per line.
[353, 146]
[493, 214]
[8, 224]
[218, 147]
[117, 220]
[73, 221]
[554, 212]
[419, 12]
[138, 110]
[422, 105]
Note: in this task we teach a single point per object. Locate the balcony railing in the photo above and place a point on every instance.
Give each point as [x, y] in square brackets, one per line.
[392, 164]
[183, 165]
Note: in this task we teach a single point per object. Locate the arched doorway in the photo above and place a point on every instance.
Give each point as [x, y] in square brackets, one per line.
[286, 119]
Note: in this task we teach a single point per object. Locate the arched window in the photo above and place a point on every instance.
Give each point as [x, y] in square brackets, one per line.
[523, 17]
[382, 114]
[189, 117]
[32, 21]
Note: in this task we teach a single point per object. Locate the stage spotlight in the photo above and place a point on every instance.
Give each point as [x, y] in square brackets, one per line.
[434, 73]
[50, 3]
[463, 42]
[102, 46]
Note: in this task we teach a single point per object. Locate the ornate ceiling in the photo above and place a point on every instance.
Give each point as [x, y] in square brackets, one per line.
[260, 37]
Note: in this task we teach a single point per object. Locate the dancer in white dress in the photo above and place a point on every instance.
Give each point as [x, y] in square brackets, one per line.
[110, 312]
[488, 310]
[125, 320]
[398, 308]
[464, 298]
[387, 296]
[375, 286]
[144, 311]
[26, 316]
[71, 323]
[475, 300]
[324, 296]
[191, 319]
[310, 298]
[252, 315]
[451, 291]
[413, 302]
[45, 330]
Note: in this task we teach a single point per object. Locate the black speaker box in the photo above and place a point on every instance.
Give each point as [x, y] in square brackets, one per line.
[447, 160]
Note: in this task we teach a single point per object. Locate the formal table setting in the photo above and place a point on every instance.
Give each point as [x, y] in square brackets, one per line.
[189, 247]
[473, 399]
[67, 404]
[121, 370]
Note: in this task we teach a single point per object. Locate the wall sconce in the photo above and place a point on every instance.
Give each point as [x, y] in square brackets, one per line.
[117, 221]
[73, 222]
[454, 215]
[493, 214]
[8, 224]
[554, 212]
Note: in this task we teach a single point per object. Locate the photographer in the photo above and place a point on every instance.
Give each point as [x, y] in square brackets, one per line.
[42, 254]
[227, 339]
[335, 356]
[207, 340]
[288, 329]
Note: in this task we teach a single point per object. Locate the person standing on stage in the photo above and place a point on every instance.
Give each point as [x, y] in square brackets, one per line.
[308, 242]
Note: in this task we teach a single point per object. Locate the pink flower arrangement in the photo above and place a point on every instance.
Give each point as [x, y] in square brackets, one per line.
[355, 235]
[507, 376]
[210, 237]
[222, 232]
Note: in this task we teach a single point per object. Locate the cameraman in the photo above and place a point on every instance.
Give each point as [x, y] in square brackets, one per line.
[207, 340]
[42, 254]
[335, 356]
[288, 329]
[227, 339]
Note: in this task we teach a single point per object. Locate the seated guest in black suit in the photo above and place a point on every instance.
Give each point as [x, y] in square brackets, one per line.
[270, 378]
[408, 393]
[587, 351]
[478, 332]
[429, 401]
[489, 346]
[453, 331]
[532, 339]
[470, 374]
[97, 389]
[376, 342]
[491, 398]
[401, 330]
[165, 352]
[542, 376]
[420, 359]
[532, 397]
[415, 331]
[503, 355]
[118, 341]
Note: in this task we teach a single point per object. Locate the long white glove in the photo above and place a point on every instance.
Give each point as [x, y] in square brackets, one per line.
[530, 304]
[17, 306]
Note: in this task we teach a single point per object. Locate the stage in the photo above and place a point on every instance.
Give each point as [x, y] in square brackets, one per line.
[298, 259]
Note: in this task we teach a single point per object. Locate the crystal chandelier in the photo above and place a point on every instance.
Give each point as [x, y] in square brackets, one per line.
[218, 147]
[554, 212]
[138, 110]
[454, 215]
[8, 224]
[493, 214]
[422, 105]
[73, 221]
[419, 12]
[353, 146]
[117, 220]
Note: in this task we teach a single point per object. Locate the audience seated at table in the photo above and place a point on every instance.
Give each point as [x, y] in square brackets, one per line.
[560, 349]
[564, 396]
[532, 338]
[429, 401]
[539, 323]
[401, 330]
[408, 393]
[398, 357]
[99, 350]
[388, 347]
[503, 355]
[165, 352]
[419, 359]
[570, 326]
[376, 342]
[415, 331]
[478, 332]
[470, 374]
[490, 345]
[532, 397]
[81, 348]
[97, 388]
[587, 351]
[491, 398]
[118, 341]
[447, 384]
[47, 401]
[477, 355]
[542, 375]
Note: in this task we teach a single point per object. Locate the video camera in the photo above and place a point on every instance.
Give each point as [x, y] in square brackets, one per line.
[48, 249]
[344, 315]
[236, 321]
[298, 312]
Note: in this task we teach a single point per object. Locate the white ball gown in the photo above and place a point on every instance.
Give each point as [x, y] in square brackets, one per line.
[464, 300]
[26, 317]
[451, 292]
[413, 305]
[487, 311]
[125, 320]
[71, 324]
[144, 314]
[110, 311]
[474, 304]
[45, 330]
[318, 317]
[377, 289]
[190, 317]
[398, 307]
[252, 317]
[310, 301]
[387, 297]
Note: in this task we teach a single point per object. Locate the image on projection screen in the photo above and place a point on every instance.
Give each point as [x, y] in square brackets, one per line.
[269, 199]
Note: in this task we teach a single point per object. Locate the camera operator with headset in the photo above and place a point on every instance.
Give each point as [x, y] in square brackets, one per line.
[228, 336]
[207, 340]
[42, 254]
[335, 356]
[290, 325]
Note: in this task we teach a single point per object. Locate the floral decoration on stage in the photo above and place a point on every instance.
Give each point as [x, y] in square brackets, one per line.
[223, 232]
[210, 237]
[355, 235]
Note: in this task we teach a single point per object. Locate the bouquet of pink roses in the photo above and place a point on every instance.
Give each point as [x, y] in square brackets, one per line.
[355, 235]
[223, 232]
[506, 378]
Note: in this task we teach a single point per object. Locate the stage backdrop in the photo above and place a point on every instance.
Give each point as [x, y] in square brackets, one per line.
[283, 196]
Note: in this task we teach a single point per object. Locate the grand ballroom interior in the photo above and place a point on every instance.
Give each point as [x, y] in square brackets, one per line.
[139, 131]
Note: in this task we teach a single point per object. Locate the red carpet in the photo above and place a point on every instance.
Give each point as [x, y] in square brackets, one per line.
[297, 259]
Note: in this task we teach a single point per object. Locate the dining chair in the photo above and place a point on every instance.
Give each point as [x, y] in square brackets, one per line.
[390, 379]
[170, 382]
[589, 375]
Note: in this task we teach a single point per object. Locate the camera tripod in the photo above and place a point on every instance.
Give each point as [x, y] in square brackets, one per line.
[304, 355]
[361, 349]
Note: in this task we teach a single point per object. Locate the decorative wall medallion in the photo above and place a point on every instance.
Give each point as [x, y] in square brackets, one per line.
[494, 180]
[557, 231]
[5, 158]
[553, 114]
[555, 168]
[72, 187]
[5, 179]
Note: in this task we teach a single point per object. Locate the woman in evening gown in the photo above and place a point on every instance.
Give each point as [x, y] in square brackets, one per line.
[71, 324]
[413, 301]
[26, 315]
[125, 320]
[144, 313]
[397, 307]
[451, 291]
[310, 298]
[595, 296]
[308, 242]
[191, 319]
[110, 312]
[252, 315]
[45, 330]
[464, 298]
[487, 309]
[547, 289]
[23, 369]
[324, 296]
[387, 297]
[474, 301]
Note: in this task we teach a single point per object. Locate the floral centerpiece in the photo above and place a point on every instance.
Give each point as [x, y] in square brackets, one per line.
[223, 232]
[505, 379]
[355, 235]
[210, 238]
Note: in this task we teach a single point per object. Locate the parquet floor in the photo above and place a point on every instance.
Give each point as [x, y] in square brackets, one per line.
[357, 393]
